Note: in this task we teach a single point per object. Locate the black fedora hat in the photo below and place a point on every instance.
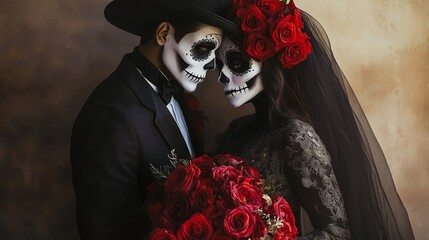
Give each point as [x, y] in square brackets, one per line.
[130, 15]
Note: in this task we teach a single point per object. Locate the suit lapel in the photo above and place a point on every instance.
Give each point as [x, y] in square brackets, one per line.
[136, 82]
[151, 100]
[168, 127]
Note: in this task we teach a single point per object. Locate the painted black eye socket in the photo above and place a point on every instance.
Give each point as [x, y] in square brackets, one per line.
[237, 63]
[202, 49]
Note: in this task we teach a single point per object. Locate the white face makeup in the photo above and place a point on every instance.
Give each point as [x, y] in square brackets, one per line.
[240, 76]
[189, 59]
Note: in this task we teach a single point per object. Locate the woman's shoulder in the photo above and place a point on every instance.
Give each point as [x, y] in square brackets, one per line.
[298, 132]
[297, 126]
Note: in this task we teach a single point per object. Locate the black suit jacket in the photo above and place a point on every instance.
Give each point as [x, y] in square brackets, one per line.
[122, 128]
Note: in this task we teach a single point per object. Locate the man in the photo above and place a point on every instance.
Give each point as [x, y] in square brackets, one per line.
[135, 117]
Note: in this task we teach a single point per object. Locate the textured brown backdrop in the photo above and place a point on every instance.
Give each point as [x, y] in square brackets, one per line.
[53, 53]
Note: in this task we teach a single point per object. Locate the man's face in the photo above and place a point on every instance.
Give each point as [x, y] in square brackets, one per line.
[241, 76]
[189, 59]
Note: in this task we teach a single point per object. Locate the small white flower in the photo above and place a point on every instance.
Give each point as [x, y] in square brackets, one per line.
[267, 199]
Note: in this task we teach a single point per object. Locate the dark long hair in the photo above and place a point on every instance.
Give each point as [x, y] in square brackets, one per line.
[282, 91]
[318, 90]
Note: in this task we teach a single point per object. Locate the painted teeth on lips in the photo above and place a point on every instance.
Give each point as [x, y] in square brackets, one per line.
[194, 78]
[236, 91]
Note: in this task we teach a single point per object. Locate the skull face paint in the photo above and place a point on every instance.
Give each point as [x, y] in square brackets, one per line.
[189, 59]
[240, 76]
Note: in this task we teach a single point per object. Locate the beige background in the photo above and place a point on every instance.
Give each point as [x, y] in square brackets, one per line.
[53, 53]
[383, 47]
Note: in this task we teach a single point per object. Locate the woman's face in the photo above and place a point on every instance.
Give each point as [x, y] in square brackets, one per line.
[240, 75]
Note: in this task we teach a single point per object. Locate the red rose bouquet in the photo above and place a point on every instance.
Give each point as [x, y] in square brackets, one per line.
[215, 198]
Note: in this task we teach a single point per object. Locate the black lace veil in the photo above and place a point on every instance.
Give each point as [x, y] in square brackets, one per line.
[373, 206]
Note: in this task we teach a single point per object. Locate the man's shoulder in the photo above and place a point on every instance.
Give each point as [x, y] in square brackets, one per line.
[124, 87]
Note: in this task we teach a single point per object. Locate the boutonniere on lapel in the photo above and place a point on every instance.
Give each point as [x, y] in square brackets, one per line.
[197, 115]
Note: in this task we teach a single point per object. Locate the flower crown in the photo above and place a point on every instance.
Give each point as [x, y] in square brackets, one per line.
[272, 27]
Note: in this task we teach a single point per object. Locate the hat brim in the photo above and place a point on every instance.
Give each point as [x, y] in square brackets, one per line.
[129, 17]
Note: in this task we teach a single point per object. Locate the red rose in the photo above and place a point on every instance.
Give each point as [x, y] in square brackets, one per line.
[239, 222]
[270, 7]
[184, 178]
[291, 6]
[225, 174]
[202, 198]
[297, 19]
[245, 194]
[228, 160]
[155, 212]
[293, 10]
[253, 20]
[238, 4]
[241, 3]
[220, 235]
[205, 164]
[217, 213]
[197, 227]
[296, 51]
[242, 179]
[260, 229]
[210, 183]
[293, 16]
[226, 202]
[238, 14]
[283, 211]
[177, 209]
[250, 175]
[250, 172]
[286, 232]
[283, 33]
[260, 47]
[161, 234]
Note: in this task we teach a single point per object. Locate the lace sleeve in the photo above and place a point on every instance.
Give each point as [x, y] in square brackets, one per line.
[313, 181]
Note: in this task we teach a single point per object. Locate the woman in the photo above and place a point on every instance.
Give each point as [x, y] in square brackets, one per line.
[309, 135]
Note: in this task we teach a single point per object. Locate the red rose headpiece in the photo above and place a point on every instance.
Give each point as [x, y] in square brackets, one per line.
[272, 27]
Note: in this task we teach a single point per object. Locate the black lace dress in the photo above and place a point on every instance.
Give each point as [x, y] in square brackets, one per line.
[294, 160]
